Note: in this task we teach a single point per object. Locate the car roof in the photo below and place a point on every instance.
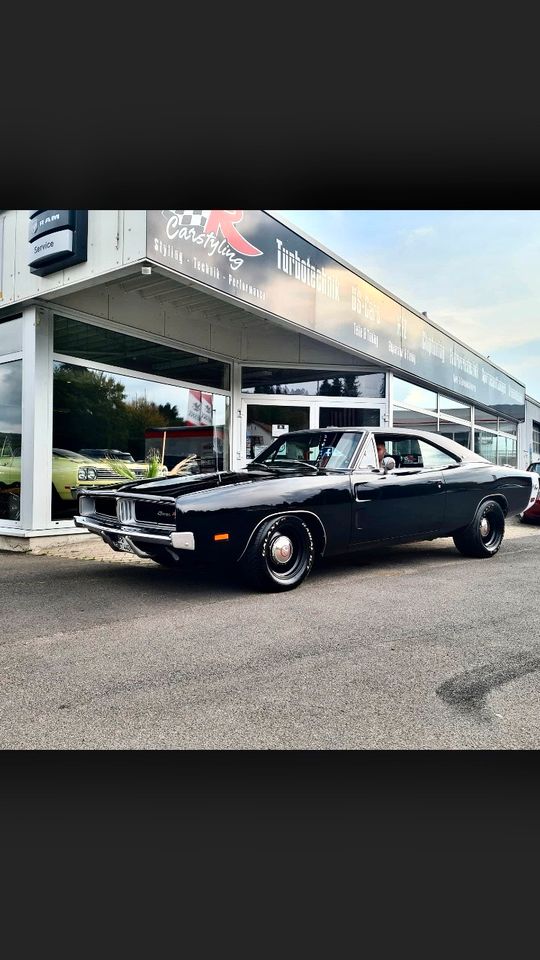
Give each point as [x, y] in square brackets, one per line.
[387, 433]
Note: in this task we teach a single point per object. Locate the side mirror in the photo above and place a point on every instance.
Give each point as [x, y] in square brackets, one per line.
[388, 463]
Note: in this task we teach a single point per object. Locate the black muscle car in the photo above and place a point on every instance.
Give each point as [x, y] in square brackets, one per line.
[313, 493]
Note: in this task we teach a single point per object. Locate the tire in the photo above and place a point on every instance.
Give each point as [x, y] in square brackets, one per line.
[485, 533]
[265, 565]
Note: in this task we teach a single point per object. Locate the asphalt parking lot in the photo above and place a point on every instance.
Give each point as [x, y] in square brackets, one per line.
[410, 647]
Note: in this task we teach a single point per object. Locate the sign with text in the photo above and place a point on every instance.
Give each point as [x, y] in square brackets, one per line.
[254, 258]
[56, 239]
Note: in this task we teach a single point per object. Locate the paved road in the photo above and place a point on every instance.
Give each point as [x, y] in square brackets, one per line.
[411, 647]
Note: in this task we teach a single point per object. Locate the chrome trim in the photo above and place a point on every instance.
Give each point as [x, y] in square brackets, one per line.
[112, 492]
[183, 540]
[121, 531]
[139, 523]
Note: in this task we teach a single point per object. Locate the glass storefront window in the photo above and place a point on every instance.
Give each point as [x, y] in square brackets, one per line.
[485, 444]
[413, 420]
[107, 427]
[536, 439]
[11, 335]
[349, 417]
[409, 395]
[312, 383]
[484, 420]
[508, 426]
[10, 439]
[454, 431]
[264, 422]
[88, 342]
[506, 451]
[454, 408]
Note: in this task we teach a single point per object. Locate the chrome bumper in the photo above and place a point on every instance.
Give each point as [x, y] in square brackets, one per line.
[177, 540]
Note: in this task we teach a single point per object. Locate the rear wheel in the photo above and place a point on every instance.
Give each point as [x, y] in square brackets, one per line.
[280, 555]
[485, 533]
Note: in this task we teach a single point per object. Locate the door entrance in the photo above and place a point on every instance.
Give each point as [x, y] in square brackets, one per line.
[267, 419]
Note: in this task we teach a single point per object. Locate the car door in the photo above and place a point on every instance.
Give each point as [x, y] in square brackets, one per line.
[406, 502]
[401, 503]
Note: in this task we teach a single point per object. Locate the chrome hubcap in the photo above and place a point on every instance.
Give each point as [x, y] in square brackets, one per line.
[484, 527]
[281, 549]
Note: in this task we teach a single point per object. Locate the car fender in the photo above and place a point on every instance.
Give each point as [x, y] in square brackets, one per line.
[295, 513]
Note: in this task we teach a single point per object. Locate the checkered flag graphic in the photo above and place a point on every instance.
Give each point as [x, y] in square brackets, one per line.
[192, 218]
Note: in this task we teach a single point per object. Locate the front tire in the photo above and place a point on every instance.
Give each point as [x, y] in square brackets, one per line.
[280, 555]
[485, 533]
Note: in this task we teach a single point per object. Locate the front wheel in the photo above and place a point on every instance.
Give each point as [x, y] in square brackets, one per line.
[485, 533]
[280, 555]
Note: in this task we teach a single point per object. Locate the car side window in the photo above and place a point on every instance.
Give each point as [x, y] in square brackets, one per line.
[434, 458]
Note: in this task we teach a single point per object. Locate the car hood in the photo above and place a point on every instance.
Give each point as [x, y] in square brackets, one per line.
[179, 486]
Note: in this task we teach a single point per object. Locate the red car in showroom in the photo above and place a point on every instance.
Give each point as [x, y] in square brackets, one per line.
[532, 515]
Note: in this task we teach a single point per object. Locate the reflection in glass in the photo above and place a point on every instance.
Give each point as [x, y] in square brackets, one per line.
[483, 419]
[312, 383]
[506, 451]
[10, 335]
[10, 440]
[409, 395]
[508, 426]
[265, 421]
[413, 420]
[349, 417]
[455, 431]
[454, 408]
[485, 444]
[96, 413]
[87, 342]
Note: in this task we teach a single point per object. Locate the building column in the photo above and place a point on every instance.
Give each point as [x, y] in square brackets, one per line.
[36, 447]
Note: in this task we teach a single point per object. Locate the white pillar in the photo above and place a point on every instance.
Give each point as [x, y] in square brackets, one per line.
[36, 450]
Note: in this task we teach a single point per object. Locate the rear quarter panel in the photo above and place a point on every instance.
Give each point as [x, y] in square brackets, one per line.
[468, 485]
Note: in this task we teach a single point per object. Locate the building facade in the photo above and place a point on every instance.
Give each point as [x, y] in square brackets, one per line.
[199, 335]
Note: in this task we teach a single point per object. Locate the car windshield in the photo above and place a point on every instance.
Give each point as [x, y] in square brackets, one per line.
[535, 467]
[332, 450]
[68, 454]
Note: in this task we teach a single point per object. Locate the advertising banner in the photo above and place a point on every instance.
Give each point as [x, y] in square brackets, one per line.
[256, 259]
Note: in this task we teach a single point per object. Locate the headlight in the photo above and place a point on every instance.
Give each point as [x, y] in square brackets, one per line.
[82, 473]
[90, 474]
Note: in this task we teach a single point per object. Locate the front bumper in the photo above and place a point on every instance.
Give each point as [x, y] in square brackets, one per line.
[127, 532]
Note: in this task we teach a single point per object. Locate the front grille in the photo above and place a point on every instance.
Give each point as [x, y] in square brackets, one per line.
[151, 513]
[103, 473]
[106, 506]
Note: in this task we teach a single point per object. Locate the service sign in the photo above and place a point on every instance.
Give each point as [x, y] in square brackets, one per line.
[256, 259]
[56, 239]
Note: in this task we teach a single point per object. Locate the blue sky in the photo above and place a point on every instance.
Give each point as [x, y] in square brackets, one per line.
[475, 272]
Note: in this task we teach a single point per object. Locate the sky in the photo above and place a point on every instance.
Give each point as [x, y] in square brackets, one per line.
[476, 273]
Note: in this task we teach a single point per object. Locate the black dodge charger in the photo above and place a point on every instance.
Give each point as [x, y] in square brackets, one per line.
[314, 493]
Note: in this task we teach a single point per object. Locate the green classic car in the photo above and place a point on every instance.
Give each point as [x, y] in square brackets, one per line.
[70, 471]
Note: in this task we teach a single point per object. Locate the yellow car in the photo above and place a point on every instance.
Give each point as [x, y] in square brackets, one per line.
[139, 468]
[70, 471]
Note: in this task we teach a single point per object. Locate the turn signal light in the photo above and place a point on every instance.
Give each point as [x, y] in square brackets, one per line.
[221, 536]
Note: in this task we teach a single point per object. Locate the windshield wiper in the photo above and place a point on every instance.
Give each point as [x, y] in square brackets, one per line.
[261, 466]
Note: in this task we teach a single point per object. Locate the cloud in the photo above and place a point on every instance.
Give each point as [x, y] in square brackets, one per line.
[418, 233]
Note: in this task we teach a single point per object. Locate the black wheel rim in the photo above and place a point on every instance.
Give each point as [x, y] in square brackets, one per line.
[491, 528]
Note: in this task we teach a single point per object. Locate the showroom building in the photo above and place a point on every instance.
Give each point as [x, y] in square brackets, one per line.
[195, 336]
